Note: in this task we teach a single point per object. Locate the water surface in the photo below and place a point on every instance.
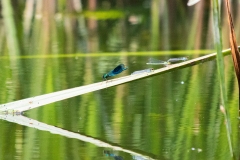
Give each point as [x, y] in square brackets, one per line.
[167, 116]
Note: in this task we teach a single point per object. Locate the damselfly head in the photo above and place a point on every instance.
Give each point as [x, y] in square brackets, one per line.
[123, 67]
[105, 76]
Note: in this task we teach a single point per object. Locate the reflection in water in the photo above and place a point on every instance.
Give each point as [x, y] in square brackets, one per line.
[110, 154]
[24, 121]
[157, 116]
[117, 157]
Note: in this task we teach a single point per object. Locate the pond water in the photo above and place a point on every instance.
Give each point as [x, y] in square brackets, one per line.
[172, 116]
[167, 116]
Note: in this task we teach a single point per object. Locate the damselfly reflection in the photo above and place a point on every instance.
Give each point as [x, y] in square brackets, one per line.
[110, 154]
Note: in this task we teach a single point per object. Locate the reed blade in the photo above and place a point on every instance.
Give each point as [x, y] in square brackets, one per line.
[220, 66]
[41, 100]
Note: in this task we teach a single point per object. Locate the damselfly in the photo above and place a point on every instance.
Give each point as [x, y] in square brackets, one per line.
[143, 71]
[176, 60]
[153, 61]
[115, 71]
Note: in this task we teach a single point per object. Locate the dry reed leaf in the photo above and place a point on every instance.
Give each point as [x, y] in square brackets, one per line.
[233, 43]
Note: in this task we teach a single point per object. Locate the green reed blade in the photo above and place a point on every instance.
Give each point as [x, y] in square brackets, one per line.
[220, 66]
